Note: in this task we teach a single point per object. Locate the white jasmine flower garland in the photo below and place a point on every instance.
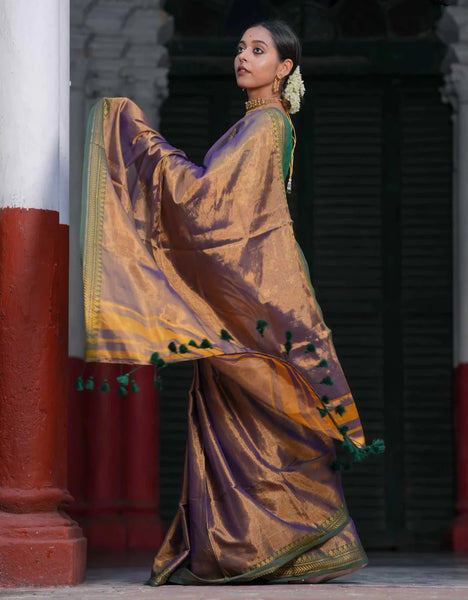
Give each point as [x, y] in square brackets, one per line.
[294, 90]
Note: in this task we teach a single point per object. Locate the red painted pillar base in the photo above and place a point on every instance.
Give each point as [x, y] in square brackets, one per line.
[114, 459]
[141, 465]
[460, 526]
[38, 544]
[41, 548]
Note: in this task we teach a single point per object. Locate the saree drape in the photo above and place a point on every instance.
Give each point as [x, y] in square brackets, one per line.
[174, 254]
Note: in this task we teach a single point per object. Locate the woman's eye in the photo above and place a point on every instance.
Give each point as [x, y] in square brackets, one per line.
[239, 49]
[258, 50]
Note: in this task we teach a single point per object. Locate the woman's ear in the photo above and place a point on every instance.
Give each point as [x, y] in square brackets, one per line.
[285, 68]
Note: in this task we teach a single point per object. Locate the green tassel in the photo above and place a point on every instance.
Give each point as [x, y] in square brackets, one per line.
[309, 348]
[183, 349]
[122, 379]
[193, 343]
[79, 384]
[327, 380]
[172, 347]
[323, 363]
[122, 391]
[260, 326]
[325, 399]
[105, 387]
[205, 343]
[89, 385]
[360, 453]
[287, 347]
[377, 446]
[225, 335]
[159, 363]
[135, 386]
[157, 383]
[323, 411]
[287, 344]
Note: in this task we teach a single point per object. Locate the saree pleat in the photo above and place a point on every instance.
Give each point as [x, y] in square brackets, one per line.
[259, 500]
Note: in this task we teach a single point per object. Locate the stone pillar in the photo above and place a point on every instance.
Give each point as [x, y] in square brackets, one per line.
[453, 29]
[39, 544]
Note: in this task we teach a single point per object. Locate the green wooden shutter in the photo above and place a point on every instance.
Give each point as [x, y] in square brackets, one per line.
[341, 158]
[376, 228]
[426, 292]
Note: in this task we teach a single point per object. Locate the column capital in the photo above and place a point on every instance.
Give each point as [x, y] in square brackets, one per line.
[453, 25]
[455, 90]
[452, 29]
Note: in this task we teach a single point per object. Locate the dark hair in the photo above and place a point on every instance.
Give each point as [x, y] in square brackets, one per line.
[286, 42]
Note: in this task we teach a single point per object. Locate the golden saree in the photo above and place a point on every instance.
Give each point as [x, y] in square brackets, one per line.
[174, 254]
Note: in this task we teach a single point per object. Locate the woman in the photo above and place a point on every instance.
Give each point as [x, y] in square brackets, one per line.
[185, 262]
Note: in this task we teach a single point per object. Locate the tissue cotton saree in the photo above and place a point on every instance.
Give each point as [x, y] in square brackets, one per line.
[200, 262]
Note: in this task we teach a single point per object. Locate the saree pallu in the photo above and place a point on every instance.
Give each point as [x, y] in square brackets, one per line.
[200, 262]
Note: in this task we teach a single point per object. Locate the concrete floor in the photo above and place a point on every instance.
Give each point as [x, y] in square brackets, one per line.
[389, 576]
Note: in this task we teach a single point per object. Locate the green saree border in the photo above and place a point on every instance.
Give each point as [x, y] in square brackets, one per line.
[92, 217]
[328, 528]
[346, 556]
[283, 139]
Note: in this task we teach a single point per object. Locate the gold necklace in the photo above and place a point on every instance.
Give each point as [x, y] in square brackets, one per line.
[251, 104]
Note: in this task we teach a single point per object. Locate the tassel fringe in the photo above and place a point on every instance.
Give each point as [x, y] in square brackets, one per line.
[357, 453]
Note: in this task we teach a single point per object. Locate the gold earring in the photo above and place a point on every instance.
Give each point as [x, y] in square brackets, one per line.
[276, 84]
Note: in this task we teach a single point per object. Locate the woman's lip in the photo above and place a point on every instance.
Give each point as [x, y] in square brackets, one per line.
[241, 70]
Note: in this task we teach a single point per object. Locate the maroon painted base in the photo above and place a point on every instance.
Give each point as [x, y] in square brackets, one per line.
[113, 455]
[123, 534]
[40, 549]
[38, 544]
[144, 533]
[460, 525]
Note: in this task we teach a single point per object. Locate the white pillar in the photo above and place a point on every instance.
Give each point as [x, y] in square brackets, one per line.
[64, 110]
[33, 110]
[39, 545]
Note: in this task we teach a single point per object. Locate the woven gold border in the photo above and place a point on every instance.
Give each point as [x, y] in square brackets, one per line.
[335, 523]
[337, 559]
[92, 220]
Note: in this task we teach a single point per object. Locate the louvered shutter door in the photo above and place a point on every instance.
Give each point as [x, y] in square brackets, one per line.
[342, 241]
[372, 211]
[427, 309]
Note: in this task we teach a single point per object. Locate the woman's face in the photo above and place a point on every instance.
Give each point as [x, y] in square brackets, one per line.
[257, 62]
